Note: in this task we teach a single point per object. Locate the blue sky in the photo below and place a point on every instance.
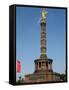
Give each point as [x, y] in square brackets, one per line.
[28, 31]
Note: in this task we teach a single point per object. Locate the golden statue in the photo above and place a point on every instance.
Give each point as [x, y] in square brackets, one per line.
[44, 13]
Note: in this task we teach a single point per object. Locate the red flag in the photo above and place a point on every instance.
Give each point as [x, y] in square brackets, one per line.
[18, 66]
